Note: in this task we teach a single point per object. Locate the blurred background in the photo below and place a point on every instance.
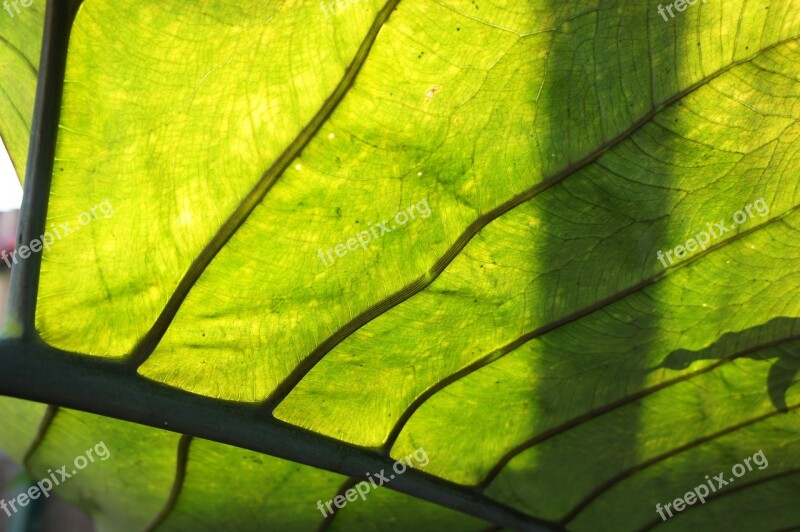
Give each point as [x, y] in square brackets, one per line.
[51, 514]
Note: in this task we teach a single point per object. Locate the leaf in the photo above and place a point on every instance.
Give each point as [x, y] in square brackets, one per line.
[329, 237]
[20, 40]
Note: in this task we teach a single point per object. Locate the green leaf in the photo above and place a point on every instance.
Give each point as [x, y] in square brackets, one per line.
[20, 42]
[319, 239]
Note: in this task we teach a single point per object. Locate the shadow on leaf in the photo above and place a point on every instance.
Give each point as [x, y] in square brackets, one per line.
[776, 342]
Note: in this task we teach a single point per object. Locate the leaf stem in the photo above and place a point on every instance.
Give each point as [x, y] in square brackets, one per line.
[38, 372]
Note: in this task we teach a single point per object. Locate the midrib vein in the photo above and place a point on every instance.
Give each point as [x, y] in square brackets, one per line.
[422, 282]
[148, 344]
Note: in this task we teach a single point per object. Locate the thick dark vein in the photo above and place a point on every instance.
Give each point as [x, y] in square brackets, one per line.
[24, 286]
[724, 493]
[549, 327]
[148, 344]
[37, 372]
[44, 425]
[422, 282]
[181, 463]
[622, 475]
[597, 412]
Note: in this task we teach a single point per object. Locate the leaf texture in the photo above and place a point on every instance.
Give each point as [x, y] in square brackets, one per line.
[523, 171]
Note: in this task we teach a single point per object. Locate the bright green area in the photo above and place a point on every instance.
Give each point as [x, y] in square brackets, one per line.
[253, 492]
[20, 44]
[20, 424]
[128, 469]
[560, 356]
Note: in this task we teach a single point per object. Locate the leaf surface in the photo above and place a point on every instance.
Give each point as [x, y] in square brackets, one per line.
[20, 42]
[523, 315]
